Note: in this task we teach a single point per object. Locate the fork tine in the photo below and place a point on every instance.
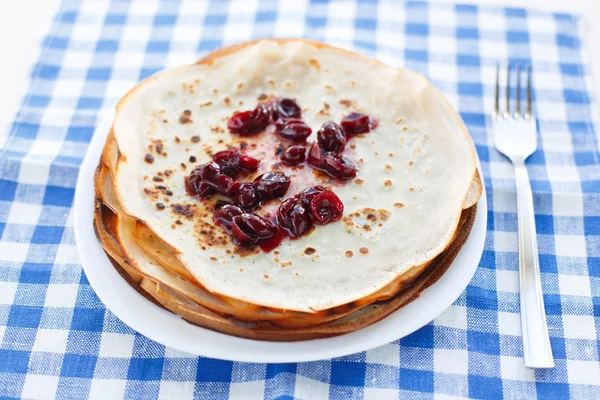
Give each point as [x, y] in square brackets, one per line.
[497, 93]
[518, 94]
[507, 111]
[528, 111]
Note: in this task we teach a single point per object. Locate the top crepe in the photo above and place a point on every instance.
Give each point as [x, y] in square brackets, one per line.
[417, 170]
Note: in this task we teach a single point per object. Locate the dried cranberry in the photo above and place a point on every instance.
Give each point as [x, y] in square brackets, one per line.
[293, 217]
[228, 160]
[315, 156]
[294, 155]
[271, 185]
[331, 137]
[326, 207]
[249, 228]
[249, 122]
[247, 197]
[211, 174]
[293, 130]
[286, 108]
[339, 166]
[248, 162]
[356, 122]
[306, 196]
[223, 216]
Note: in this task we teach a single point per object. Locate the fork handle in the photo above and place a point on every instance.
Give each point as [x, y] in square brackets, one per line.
[536, 342]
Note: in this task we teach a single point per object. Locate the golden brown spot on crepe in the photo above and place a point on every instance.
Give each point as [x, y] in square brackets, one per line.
[376, 153]
[185, 120]
[266, 276]
[183, 166]
[208, 103]
[215, 91]
[388, 167]
[157, 178]
[390, 155]
[195, 139]
[215, 259]
[363, 250]
[361, 161]
[241, 269]
[160, 206]
[288, 85]
[359, 181]
[309, 251]
[271, 82]
[227, 101]
[331, 89]
[325, 110]
[399, 120]
[314, 63]
[349, 254]
[216, 129]
[387, 183]
[261, 97]
[165, 121]
[346, 103]
[297, 273]
[149, 158]
[286, 264]
[398, 205]
[159, 148]
[187, 210]
[240, 85]
[405, 129]
[352, 146]
[192, 159]
[353, 83]
[411, 189]
[178, 222]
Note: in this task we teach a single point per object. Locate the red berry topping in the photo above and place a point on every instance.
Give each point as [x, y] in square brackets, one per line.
[228, 160]
[249, 122]
[205, 190]
[223, 216]
[331, 137]
[293, 217]
[248, 162]
[356, 122]
[211, 174]
[339, 166]
[306, 196]
[326, 207]
[293, 130]
[247, 197]
[286, 108]
[315, 156]
[293, 155]
[271, 185]
[249, 228]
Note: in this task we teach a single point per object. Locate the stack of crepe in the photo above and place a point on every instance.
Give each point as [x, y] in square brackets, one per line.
[407, 213]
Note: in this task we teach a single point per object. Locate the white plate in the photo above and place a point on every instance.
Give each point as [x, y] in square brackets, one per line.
[170, 330]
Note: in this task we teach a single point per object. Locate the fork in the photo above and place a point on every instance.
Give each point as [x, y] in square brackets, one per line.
[515, 137]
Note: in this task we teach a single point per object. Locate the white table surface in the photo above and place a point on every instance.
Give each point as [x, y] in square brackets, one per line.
[23, 23]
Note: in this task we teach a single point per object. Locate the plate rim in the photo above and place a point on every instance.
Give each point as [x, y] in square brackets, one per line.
[121, 299]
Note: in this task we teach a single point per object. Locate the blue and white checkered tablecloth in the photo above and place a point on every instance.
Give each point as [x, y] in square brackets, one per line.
[58, 340]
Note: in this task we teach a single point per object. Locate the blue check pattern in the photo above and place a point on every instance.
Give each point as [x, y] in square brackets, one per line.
[57, 340]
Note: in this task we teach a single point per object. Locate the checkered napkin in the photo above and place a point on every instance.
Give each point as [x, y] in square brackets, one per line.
[58, 340]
